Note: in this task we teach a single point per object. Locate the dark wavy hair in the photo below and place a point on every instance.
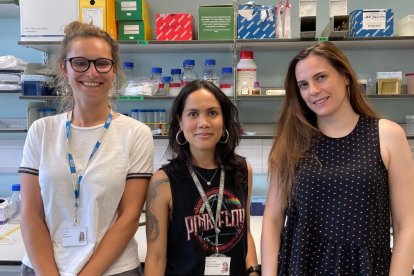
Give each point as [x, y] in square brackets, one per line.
[180, 155]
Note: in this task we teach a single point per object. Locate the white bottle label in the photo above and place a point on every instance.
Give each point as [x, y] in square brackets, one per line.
[247, 75]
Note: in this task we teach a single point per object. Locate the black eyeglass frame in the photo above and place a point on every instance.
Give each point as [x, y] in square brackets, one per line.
[89, 64]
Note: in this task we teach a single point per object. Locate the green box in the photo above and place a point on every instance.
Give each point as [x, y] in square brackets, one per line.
[216, 22]
[133, 30]
[131, 10]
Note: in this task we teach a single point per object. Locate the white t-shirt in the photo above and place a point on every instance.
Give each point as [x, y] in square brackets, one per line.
[126, 152]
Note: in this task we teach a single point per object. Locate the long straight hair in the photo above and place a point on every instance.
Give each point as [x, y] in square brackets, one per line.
[297, 124]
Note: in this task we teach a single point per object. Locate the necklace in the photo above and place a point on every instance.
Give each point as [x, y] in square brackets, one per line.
[208, 182]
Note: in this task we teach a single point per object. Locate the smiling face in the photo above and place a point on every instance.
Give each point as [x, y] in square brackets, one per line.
[323, 89]
[89, 86]
[202, 121]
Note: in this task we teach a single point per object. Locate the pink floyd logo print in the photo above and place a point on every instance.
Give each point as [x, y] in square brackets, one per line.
[231, 222]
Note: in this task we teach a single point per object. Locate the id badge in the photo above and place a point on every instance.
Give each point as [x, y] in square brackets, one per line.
[217, 266]
[74, 236]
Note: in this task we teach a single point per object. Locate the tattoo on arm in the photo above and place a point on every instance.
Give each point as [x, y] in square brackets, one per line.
[152, 225]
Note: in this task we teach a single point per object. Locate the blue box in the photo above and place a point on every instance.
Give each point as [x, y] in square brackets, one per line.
[371, 23]
[256, 21]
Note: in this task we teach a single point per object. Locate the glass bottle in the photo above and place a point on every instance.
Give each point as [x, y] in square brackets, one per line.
[209, 73]
[14, 205]
[156, 76]
[226, 81]
[176, 82]
[189, 73]
[166, 80]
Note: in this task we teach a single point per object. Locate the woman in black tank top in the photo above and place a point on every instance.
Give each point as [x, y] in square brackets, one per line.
[199, 203]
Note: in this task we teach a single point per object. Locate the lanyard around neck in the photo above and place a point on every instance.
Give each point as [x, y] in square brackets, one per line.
[76, 179]
[207, 204]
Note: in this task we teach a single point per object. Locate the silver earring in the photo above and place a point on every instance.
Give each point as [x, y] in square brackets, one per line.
[225, 133]
[178, 140]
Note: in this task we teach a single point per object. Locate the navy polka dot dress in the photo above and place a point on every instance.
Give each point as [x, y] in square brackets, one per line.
[339, 219]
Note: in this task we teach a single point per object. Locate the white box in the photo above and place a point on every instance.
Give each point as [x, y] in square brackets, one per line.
[338, 7]
[405, 26]
[307, 8]
[45, 20]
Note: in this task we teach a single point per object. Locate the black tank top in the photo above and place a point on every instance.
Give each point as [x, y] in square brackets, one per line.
[191, 232]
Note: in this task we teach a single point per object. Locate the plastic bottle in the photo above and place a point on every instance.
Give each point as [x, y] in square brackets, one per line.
[176, 82]
[189, 73]
[209, 73]
[156, 76]
[246, 71]
[226, 81]
[244, 90]
[14, 205]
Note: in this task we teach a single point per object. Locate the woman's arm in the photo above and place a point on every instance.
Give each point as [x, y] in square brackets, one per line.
[122, 231]
[272, 225]
[398, 160]
[158, 210]
[251, 258]
[35, 233]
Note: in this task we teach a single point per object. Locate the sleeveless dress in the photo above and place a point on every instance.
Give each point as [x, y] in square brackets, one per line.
[190, 231]
[338, 222]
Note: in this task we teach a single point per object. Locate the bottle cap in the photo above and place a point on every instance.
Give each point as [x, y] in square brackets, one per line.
[226, 70]
[189, 62]
[16, 187]
[166, 79]
[210, 62]
[246, 54]
[256, 84]
[175, 71]
[156, 70]
[128, 65]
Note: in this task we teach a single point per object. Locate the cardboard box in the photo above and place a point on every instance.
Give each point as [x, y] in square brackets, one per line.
[371, 23]
[134, 30]
[389, 82]
[216, 22]
[132, 10]
[338, 26]
[256, 21]
[45, 20]
[178, 26]
[338, 7]
[307, 8]
[100, 13]
[405, 26]
[307, 26]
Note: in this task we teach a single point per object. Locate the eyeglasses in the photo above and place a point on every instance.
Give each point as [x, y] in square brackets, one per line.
[81, 64]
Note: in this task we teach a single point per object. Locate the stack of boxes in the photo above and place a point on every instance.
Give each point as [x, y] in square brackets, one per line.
[133, 20]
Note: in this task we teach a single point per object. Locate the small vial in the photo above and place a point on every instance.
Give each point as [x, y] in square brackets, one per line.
[244, 89]
[256, 88]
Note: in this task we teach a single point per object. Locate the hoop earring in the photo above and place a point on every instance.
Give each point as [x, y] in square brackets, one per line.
[225, 133]
[178, 140]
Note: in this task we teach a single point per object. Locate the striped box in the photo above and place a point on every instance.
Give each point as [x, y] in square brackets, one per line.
[256, 21]
[371, 23]
[174, 26]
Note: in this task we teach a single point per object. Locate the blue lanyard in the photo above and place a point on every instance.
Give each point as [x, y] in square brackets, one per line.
[76, 180]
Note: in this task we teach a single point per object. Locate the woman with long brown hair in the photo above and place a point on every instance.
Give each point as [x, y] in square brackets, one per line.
[336, 170]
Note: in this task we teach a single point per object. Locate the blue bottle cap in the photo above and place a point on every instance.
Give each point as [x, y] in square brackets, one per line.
[166, 79]
[210, 62]
[16, 187]
[226, 70]
[189, 62]
[175, 71]
[156, 70]
[128, 65]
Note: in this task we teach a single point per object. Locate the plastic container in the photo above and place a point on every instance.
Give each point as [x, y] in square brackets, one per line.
[151, 118]
[226, 81]
[14, 205]
[134, 114]
[176, 82]
[156, 76]
[246, 71]
[36, 85]
[209, 73]
[166, 81]
[410, 83]
[189, 73]
[44, 112]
